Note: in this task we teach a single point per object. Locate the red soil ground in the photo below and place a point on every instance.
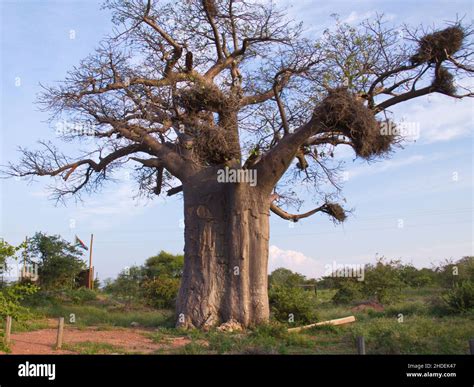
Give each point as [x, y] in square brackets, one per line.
[130, 340]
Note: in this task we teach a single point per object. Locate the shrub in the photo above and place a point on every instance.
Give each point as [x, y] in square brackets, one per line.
[417, 335]
[59, 262]
[164, 265]
[127, 285]
[81, 295]
[417, 278]
[348, 291]
[449, 273]
[288, 302]
[10, 300]
[274, 329]
[285, 277]
[383, 281]
[161, 292]
[460, 298]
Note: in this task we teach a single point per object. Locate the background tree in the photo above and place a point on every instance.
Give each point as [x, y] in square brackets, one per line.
[127, 285]
[12, 294]
[286, 277]
[383, 280]
[164, 265]
[163, 274]
[59, 262]
[417, 278]
[185, 89]
[7, 251]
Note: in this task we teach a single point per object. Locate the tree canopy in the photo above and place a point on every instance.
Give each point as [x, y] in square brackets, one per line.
[59, 262]
[181, 87]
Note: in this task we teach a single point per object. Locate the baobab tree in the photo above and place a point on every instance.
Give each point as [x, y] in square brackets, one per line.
[185, 90]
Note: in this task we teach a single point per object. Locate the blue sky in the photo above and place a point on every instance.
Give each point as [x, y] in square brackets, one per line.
[428, 185]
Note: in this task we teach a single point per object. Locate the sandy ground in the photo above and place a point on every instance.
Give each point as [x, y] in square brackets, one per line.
[130, 340]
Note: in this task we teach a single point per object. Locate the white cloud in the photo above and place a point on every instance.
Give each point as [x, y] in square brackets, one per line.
[295, 261]
[112, 207]
[356, 17]
[383, 166]
[440, 118]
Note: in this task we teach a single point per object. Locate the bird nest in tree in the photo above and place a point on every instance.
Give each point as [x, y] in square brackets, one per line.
[444, 81]
[200, 97]
[211, 146]
[336, 211]
[343, 113]
[211, 7]
[436, 47]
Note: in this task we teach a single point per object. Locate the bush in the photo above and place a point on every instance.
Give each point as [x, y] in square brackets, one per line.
[285, 277]
[59, 262]
[126, 286]
[164, 265]
[460, 298]
[417, 335]
[383, 281]
[81, 295]
[10, 300]
[288, 302]
[161, 292]
[450, 273]
[417, 278]
[156, 283]
[348, 291]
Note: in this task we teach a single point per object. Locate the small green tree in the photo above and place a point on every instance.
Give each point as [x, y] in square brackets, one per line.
[161, 292]
[383, 281]
[59, 262]
[450, 273]
[458, 279]
[162, 279]
[286, 277]
[348, 290]
[460, 298]
[164, 265]
[417, 278]
[289, 300]
[127, 285]
[10, 300]
[292, 304]
[7, 251]
[12, 295]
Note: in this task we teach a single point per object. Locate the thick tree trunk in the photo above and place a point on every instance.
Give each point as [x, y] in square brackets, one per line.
[226, 254]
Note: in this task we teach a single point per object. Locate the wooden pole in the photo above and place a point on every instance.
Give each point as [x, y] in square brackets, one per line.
[8, 330]
[59, 339]
[337, 321]
[90, 279]
[360, 345]
[471, 346]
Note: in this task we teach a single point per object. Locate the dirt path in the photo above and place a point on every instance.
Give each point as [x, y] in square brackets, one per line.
[127, 340]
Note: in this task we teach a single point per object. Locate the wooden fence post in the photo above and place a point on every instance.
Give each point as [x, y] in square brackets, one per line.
[360, 345]
[8, 330]
[59, 340]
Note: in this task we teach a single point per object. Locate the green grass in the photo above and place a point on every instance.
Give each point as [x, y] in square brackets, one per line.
[96, 315]
[424, 330]
[416, 335]
[90, 348]
[3, 347]
[29, 326]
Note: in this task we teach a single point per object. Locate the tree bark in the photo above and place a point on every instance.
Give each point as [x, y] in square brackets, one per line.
[226, 253]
